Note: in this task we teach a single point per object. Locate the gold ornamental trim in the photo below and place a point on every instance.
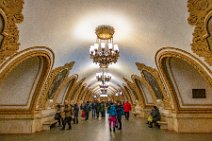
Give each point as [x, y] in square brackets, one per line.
[169, 52]
[104, 32]
[11, 12]
[200, 12]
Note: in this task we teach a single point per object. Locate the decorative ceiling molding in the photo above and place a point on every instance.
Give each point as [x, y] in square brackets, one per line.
[11, 12]
[200, 12]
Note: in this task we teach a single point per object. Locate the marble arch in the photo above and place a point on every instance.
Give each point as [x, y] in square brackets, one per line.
[134, 89]
[130, 94]
[168, 60]
[53, 83]
[43, 59]
[144, 90]
[65, 88]
[160, 86]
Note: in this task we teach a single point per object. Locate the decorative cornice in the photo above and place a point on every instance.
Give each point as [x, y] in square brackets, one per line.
[200, 11]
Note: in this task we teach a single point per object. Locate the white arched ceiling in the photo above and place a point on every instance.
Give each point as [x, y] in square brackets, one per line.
[141, 28]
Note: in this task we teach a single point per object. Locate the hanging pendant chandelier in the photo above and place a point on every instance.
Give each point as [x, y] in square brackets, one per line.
[103, 76]
[104, 51]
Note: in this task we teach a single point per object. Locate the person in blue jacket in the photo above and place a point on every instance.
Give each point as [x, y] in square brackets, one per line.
[112, 116]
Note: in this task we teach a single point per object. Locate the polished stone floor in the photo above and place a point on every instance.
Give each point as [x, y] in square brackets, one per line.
[97, 130]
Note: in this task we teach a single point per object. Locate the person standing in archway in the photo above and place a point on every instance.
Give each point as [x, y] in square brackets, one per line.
[127, 109]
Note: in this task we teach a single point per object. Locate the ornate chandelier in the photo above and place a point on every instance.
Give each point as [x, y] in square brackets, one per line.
[104, 52]
[103, 76]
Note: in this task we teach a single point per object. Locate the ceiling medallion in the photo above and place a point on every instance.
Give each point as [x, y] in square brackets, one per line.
[103, 51]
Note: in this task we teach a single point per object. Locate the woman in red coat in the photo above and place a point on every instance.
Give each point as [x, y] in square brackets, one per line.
[127, 109]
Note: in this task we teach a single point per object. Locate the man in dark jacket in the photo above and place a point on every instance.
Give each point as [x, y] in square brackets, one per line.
[120, 112]
[155, 116]
[76, 113]
[87, 109]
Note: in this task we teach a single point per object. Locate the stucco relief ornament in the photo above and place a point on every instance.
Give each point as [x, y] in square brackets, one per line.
[200, 13]
[200, 4]
[10, 10]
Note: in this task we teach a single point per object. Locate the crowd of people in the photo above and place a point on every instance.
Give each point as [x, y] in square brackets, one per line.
[68, 114]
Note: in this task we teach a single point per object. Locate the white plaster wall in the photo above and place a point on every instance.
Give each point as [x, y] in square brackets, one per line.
[187, 78]
[17, 88]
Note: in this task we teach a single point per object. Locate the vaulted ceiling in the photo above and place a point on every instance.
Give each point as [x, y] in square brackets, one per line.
[141, 28]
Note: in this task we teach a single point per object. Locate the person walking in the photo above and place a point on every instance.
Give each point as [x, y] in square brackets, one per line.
[87, 109]
[127, 109]
[98, 107]
[76, 113]
[93, 109]
[120, 112]
[67, 111]
[112, 116]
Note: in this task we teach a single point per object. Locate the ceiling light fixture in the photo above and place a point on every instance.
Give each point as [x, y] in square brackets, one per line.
[103, 76]
[104, 52]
